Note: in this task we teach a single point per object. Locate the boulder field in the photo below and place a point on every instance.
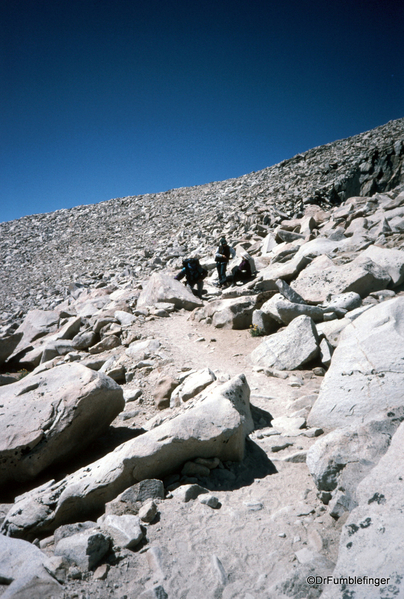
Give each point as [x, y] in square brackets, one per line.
[247, 444]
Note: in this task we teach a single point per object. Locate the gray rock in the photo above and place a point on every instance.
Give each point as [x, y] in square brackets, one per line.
[85, 549]
[390, 260]
[288, 292]
[125, 318]
[23, 567]
[340, 460]
[148, 512]
[187, 492]
[8, 343]
[326, 351]
[264, 322]
[347, 301]
[125, 530]
[106, 344]
[141, 350]
[84, 340]
[233, 313]
[163, 390]
[133, 498]
[157, 592]
[36, 324]
[290, 348]
[210, 500]
[51, 416]
[365, 376]
[323, 278]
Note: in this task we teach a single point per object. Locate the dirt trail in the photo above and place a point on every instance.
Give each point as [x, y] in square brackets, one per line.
[242, 549]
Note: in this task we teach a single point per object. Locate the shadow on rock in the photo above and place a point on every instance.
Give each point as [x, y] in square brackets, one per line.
[241, 474]
[105, 444]
[261, 418]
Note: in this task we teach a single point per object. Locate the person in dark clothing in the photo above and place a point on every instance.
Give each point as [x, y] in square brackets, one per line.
[241, 272]
[194, 273]
[222, 257]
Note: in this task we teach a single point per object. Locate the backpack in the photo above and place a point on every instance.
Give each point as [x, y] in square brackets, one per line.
[193, 270]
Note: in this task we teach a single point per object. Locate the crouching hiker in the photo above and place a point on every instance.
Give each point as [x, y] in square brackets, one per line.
[194, 274]
[241, 272]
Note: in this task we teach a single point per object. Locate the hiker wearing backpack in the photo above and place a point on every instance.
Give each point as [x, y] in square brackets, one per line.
[194, 273]
[223, 254]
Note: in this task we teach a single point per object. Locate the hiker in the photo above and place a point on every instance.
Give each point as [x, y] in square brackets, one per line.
[241, 272]
[194, 273]
[222, 257]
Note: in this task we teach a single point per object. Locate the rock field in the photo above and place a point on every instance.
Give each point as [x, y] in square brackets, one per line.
[246, 445]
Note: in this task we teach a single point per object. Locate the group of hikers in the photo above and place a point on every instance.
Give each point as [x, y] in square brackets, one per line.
[194, 273]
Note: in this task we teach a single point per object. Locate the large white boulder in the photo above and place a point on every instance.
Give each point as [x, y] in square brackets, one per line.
[164, 288]
[372, 539]
[215, 427]
[51, 416]
[289, 349]
[367, 369]
[323, 278]
[390, 259]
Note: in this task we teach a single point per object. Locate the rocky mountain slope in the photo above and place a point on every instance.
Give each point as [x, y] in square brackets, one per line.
[247, 444]
[131, 237]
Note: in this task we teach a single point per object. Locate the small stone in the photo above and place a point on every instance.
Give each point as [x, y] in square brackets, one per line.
[101, 572]
[319, 371]
[209, 500]
[253, 506]
[148, 512]
[282, 535]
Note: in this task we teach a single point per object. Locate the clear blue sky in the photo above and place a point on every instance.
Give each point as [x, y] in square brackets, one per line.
[109, 98]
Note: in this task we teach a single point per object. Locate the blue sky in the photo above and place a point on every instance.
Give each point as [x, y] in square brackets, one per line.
[109, 98]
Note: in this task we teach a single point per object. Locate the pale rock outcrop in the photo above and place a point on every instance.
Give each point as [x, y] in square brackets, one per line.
[23, 567]
[367, 369]
[215, 427]
[267, 278]
[371, 542]
[323, 278]
[390, 260]
[51, 416]
[288, 349]
[164, 288]
[339, 460]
